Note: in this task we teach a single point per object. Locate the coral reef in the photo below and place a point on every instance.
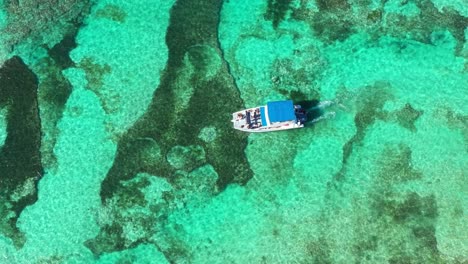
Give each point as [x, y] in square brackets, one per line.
[276, 11]
[44, 21]
[392, 217]
[20, 157]
[174, 125]
[407, 116]
[369, 104]
[112, 12]
[53, 93]
[336, 20]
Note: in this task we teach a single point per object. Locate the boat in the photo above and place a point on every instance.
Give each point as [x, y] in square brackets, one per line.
[274, 116]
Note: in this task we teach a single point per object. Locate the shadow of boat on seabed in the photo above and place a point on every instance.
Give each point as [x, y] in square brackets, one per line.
[317, 110]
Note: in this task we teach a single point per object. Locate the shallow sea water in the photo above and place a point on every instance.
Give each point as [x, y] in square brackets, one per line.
[116, 144]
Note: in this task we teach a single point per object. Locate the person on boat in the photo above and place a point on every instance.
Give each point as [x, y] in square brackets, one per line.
[240, 116]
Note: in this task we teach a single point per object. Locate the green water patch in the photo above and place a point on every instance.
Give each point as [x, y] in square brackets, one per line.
[276, 11]
[196, 92]
[278, 165]
[20, 157]
[112, 12]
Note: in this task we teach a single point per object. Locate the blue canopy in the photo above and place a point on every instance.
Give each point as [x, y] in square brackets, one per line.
[262, 114]
[280, 111]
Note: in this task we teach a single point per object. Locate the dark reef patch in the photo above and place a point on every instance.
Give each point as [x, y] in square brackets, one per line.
[165, 139]
[38, 20]
[455, 121]
[168, 129]
[60, 53]
[333, 22]
[20, 157]
[388, 217]
[332, 5]
[276, 11]
[412, 207]
[370, 103]
[413, 215]
[432, 20]
[319, 251]
[396, 160]
[364, 248]
[336, 21]
[112, 12]
[407, 116]
[94, 73]
[54, 91]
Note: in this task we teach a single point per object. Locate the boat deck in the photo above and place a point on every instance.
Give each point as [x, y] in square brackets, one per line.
[275, 116]
[247, 119]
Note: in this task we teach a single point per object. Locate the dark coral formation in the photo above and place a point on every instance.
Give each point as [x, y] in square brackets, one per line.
[54, 91]
[319, 251]
[336, 21]
[430, 20]
[407, 116]
[60, 52]
[386, 218]
[276, 11]
[41, 19]
[20, 157]
[414, 215]
[370, 103]
[187, 28]
[94, 73]
[333, 22]
[397, 162]
[164, 141]
[455, 121]
[112, 12]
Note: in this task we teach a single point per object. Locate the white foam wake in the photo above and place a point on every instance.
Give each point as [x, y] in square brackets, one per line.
[328, 115]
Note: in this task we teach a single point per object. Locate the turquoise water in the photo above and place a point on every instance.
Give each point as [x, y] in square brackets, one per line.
[116, 144]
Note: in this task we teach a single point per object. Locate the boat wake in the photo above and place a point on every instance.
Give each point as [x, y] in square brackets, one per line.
[328, 115]
[323, 105]
[321, 111]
